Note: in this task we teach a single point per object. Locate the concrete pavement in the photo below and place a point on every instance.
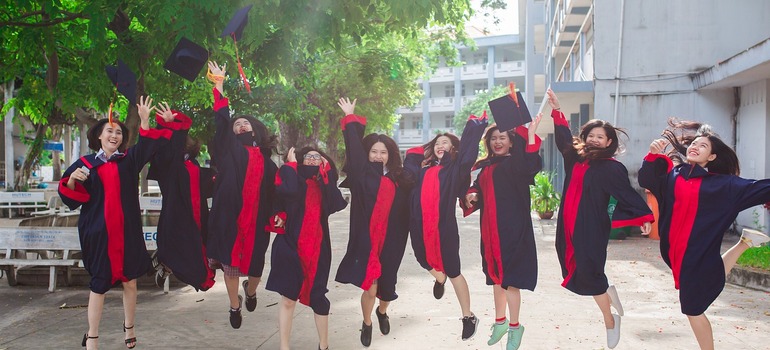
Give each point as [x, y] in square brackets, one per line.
[31, 318]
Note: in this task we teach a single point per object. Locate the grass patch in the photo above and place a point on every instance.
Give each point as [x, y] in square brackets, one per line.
[756, 257]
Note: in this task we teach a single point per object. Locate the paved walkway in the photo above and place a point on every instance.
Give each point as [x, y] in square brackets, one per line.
[30, 318]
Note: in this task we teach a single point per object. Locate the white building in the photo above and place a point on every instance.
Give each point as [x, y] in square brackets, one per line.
[636, 63]
[497, 60]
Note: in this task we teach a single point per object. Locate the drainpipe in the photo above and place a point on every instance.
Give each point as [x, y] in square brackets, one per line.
[617, 70]
[734, 116]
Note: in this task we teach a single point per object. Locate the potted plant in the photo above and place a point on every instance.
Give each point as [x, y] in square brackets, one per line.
[545, 199]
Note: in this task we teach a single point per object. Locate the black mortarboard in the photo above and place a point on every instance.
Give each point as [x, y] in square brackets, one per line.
[187, 59]
[124, 80]
[237, 23]
[509, 114]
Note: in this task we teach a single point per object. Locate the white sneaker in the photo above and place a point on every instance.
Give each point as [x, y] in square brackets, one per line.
[754, 238]
[613, 335]
[615, 299]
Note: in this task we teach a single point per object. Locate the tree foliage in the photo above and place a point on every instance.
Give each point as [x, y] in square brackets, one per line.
[478, 106]
[298, 55]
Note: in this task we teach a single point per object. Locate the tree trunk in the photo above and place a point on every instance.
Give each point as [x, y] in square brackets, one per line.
[56, 132]
[30, 160]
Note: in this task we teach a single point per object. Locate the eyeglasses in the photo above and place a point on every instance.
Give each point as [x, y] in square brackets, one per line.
[313, 156]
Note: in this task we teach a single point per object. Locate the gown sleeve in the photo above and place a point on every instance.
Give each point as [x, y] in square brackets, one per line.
[355, 155]
[224, 138]
[469, 151]
[749, 192]
[631, 209]
[74, 198]
[563, 138]
[653, 175]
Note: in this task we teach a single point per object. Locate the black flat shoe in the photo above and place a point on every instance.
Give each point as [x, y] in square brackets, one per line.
[251, 300]
[366, 334]
[383, 320]
[86, 337]
[235, 315]
[438, 289]
[129, 340]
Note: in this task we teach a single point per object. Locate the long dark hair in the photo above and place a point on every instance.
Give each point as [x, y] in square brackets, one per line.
[681, 133]
[598, 153]
[304, 150]
[95, 131]
[431, 157]
[488, 144]
[394, 165]
[262, 135]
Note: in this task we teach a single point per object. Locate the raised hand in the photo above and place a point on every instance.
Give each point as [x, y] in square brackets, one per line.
[165, 112]
[291, 156]
[657, 146]
[552, 100]
[144, 108]
[347, 106]
[534, 124]
[217, 70]
[646, 228]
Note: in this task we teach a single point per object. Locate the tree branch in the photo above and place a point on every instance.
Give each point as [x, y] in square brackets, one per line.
[16, 23]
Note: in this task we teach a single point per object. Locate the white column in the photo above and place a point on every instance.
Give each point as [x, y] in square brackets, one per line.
[8, 124]
[67, 146]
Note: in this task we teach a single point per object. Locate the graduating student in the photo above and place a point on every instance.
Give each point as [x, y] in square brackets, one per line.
[699, 194]
[379, 189]
[443, 167]
[105, 186]
[306, 194]
[583, 228]
[243, 199]
[182, 227]
[501, 192]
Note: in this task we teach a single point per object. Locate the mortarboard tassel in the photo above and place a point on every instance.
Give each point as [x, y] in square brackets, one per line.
[512, 87]
[240, 67]
[109, 115]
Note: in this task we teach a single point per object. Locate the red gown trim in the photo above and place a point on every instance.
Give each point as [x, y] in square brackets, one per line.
[490, 234]
[247, 218]
[682, 219]
[430, 197]
[310, 238]
[113, 219]
[378, 228]
[571, 206]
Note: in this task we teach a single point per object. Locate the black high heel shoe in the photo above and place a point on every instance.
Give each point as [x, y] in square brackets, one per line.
[129, 340]
[86, 337]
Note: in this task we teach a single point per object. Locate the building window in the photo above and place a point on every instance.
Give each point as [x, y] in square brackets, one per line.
[449, 91]
[416, 124]
[448, 121]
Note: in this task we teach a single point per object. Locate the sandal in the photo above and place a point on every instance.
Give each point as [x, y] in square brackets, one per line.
[129, 340]
[86, 337]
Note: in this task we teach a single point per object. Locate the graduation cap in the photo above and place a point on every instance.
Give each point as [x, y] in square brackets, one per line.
[124, 80]
[187, 59]
[510, 110]
[237, 24]
[234, 29]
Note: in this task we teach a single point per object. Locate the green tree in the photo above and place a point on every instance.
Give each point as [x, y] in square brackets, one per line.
[478, 105]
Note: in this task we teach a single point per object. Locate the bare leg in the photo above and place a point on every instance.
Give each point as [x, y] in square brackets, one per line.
[463, 294]
[95, 307]
[383, 307]
[603, 300]
[285, 315]
[367, 303]
[322, 326]
[731, 256]
[513, 296]
[702, 329]
[499, 294]
[252, 285]
[129, 308]
[232, 291]
[439, 276]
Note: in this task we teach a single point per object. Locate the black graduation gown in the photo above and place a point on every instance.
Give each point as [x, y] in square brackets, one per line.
[378, 230]
[433, 225]
[508, 252]
[243, 198]
[696, 209]
[182, 226]
[583, 227]
[110, 225]
[301, 256]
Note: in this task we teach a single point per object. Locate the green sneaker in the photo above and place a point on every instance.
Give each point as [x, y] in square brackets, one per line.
[514, 338]
[498, 331]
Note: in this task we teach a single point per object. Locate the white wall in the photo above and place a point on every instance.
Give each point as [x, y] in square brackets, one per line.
[752, 148]
[663, 43]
